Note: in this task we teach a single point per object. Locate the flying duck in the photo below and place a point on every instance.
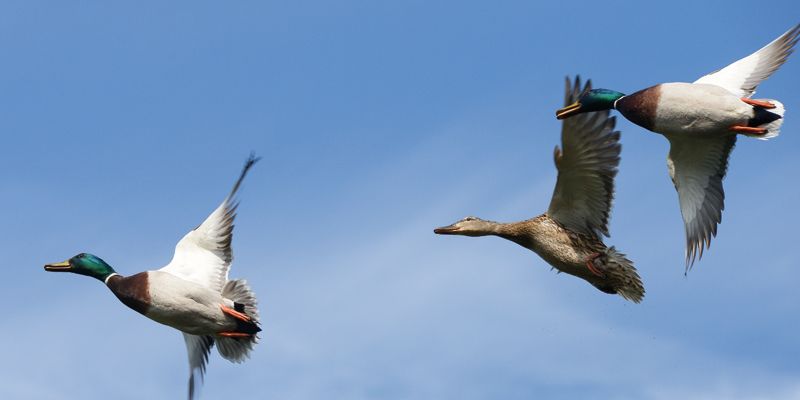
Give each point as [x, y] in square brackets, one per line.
[701, 120]
[569, 235]
[192, 293]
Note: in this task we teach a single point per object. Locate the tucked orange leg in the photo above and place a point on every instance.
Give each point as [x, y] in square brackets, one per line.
[748, 129]
[758, 103]
[235, 314]
[235, 335]
[590, 264]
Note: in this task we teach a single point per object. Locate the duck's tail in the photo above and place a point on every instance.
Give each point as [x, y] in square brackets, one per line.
[769, 118]
[237, 349]
[620, 276]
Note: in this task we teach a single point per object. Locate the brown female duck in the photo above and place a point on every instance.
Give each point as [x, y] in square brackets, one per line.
[569, 235]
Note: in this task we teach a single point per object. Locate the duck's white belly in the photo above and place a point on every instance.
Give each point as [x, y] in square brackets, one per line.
[698, 109]
[186, 306]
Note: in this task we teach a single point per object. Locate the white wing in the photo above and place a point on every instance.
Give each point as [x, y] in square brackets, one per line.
[697, 166]
[198, 348]
[586, 169]
[204, 255]
[742, 77]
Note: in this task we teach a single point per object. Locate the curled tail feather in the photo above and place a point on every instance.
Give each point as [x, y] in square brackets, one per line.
[769, 118]
[238, 349]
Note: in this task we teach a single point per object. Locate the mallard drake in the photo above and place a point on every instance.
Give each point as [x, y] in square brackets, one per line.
[192, 293]
[569, 235]
[701, 120]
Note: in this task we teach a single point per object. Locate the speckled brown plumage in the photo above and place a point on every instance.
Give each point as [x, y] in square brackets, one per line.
[567, 251]
[569, 234]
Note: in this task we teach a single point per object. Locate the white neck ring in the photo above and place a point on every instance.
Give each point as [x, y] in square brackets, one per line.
[109, 277]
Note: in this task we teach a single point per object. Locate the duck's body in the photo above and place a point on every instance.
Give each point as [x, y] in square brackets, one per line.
[702, 120]
[568, 252]
[170, 300]
[192, 293]
[565, 250]
[688, 109]
[568, 236]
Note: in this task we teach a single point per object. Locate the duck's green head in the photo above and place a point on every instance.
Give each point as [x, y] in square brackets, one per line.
[593, 100]
[83, 264]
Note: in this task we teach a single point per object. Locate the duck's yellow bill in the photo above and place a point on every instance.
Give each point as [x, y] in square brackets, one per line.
[62, 266]
[568, 110]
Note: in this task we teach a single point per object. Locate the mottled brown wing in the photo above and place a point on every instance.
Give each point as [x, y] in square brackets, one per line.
[586, 167]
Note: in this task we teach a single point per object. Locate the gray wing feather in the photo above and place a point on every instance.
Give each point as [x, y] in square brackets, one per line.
[697, 167]
[198, 348]
[586, 168]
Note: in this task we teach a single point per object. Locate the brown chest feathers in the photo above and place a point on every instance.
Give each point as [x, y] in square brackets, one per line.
[640, 107]
[552, 241]
[133, 291]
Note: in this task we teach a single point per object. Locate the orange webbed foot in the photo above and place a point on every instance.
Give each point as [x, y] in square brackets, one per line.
[590, 265]
[758, 103]
[748, 129]
[236, 335]
[235, 314]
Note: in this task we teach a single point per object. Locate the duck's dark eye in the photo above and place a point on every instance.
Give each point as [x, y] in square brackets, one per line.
[82, 255]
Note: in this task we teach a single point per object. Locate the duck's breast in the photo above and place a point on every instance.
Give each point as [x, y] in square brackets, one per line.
[133, 291]
[556, 245]
[698, 109]
[641, 107]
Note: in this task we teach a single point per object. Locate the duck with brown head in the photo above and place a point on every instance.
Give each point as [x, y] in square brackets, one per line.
[569, 235]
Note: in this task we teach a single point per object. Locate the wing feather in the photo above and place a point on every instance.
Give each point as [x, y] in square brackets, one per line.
[204, 255]
[586, 167]
[743, 76]
[198, 349]
[697, 167]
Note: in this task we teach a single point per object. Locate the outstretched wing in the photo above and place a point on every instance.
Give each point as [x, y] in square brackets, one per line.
[198, 348]
[586, 168]
[204, 255]
[697, 166]
[742, 77]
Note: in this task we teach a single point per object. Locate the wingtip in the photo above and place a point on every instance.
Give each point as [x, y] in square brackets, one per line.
[191, 386]
[251, 159]
[694, 252]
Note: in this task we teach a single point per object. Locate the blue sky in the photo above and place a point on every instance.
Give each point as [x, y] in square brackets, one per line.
[125, 125]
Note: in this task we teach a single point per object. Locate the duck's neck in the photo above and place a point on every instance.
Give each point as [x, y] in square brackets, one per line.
[520, 233]
[109, 277]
